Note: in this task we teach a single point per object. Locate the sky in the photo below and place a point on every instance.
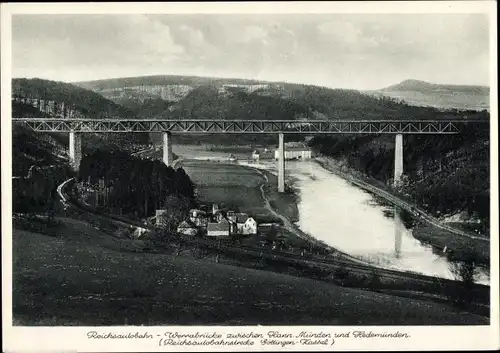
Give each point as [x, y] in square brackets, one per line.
[359, 51]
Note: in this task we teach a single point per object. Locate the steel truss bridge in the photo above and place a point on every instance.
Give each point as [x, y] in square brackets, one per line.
[192, 126]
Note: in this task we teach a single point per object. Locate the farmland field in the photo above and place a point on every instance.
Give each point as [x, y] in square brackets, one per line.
[231, 186]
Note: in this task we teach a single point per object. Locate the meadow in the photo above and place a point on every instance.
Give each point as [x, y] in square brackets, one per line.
[233, 187]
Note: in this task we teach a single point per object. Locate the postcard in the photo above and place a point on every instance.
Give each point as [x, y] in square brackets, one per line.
[254, 176]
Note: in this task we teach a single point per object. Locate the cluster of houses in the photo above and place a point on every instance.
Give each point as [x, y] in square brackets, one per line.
[217, 224]
[293, 150]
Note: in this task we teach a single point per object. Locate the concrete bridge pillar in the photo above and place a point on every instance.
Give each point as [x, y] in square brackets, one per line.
[281, 163]
[75, 149]
[398, 159]
[167, 149]
[398, 232]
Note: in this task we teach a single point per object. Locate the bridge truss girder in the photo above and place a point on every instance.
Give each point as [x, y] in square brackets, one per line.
[246, 126]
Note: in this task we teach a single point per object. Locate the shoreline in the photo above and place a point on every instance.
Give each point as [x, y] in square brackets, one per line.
[326, 163]
[432, 231]
[295, 230]
[456, 247]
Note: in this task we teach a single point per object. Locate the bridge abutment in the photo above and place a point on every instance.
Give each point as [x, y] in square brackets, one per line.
[75, 149]
[167, 149]
[398, 159]
[281, 163]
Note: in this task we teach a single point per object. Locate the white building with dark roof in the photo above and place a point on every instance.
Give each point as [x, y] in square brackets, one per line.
[244, 224]
[295, 150]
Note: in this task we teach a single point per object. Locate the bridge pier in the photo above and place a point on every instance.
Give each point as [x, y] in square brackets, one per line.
[281, 163]
[398, 159]
[167, 149]
[75, 149]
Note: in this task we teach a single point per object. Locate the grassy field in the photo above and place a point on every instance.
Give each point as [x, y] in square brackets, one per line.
[231, 186]
[459, 246]
[82, 276]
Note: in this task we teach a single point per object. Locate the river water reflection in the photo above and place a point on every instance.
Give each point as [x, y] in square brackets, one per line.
[354, 221]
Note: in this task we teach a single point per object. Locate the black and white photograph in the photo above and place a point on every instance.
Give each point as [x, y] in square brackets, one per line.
[238, 169]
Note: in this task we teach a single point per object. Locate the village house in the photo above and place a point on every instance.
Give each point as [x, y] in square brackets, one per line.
[187, 228]
[218, 230]
[256, 155]
[249, 227]
[262, 154]
[244, 223]
[295, 150]
[218, 216]
[198, 218]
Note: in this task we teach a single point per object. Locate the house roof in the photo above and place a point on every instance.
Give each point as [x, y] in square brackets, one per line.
[217, 227]
[241, 217]
[186, 224]
[295, 146]
[198, 212]
[224, 221]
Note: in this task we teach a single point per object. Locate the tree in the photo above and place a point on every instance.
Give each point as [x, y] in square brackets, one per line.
[464, 270]
[176, 210]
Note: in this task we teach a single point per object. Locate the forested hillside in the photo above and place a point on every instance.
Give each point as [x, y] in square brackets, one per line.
[161, 80]
[131, 185]
[220, 98]
[88, 104]
[206, 103]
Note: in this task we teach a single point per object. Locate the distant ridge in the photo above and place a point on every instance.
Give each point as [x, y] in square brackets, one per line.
[441, 96]
[423, 86]
[162, 80]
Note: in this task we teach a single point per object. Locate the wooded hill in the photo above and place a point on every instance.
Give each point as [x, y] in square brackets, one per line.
[134, 185]
[90, 104]
[47, 148]
[275, 100]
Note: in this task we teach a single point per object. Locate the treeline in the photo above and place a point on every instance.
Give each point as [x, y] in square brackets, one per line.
[205, 102]
[35, 193]
[443, 174]
[89, 104]
[131, 185]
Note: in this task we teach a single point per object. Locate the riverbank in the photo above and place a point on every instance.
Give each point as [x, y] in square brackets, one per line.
[429, 230]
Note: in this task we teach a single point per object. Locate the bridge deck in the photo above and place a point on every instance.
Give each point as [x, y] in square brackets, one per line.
[192, 126]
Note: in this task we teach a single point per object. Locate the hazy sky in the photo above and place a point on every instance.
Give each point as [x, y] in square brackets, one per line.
[335, 50]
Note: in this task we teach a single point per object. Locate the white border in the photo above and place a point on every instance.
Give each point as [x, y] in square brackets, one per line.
[74, 338]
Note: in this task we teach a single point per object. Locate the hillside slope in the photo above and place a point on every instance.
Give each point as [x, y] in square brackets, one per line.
[83, 277]
[421, 93]
[90, 104]
[60, 97]
[208, 98]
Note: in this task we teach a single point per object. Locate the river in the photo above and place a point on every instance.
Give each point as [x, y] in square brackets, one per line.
[350, 219]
